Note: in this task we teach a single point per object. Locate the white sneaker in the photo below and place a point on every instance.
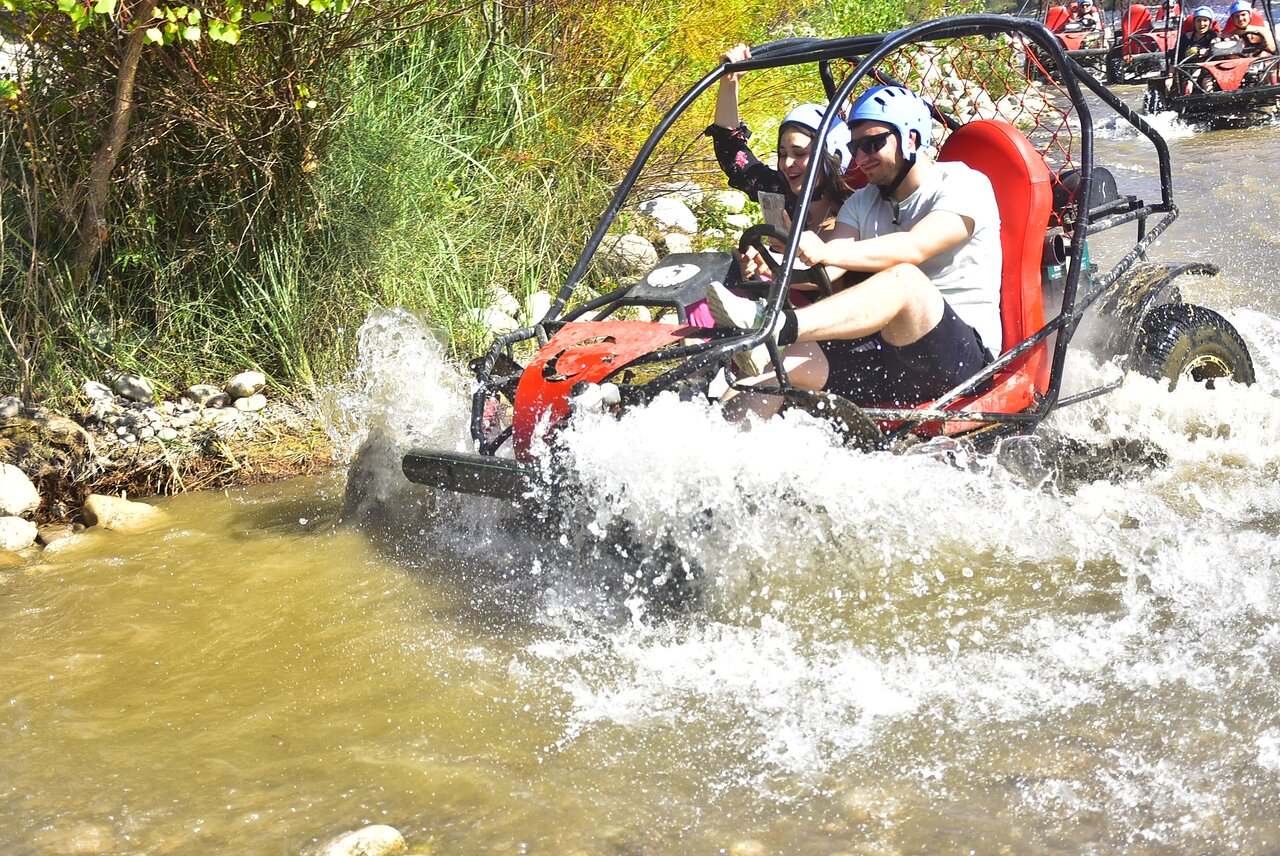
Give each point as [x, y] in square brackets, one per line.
[732, 310]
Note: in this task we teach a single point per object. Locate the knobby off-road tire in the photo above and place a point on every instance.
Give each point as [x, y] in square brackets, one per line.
[1115, 70]
[1154, 101]
[1181, 340]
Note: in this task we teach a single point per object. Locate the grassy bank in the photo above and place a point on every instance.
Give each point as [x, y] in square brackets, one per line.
[469, 151]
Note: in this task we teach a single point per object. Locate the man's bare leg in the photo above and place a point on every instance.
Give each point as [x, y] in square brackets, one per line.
[900, 303]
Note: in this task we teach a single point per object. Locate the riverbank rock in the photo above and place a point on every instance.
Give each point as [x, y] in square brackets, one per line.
[133, 387]
[245, 384]
[670, 213]
[677, 243]
[119, 515]
[250, 403]
[10, 406]
[10, 560]
[731, 201]
[204, 395]
[378, 840]
[52, 532]
[628, 255]
[16, 533]
[18, 496]
[536, 306]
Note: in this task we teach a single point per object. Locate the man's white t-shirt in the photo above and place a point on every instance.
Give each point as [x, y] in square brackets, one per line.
[968, 274]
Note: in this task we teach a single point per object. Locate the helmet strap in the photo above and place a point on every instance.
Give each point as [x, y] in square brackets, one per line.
[908, 161]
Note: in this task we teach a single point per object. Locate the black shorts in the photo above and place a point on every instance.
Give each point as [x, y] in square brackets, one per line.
[869, 371]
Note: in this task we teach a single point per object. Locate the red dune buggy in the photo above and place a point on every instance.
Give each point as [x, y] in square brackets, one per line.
[1147, 36]
[1082, 30]
[1037, 147]
[1235, 80]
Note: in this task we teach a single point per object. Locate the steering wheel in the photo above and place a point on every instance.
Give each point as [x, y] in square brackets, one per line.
[754, 238]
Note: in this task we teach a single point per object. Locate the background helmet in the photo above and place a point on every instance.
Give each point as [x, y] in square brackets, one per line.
[1240, 6]
[900, 108]
[837, 140]
[1202, 12]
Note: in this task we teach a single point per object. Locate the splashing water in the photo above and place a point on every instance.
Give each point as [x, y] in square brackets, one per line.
[878, 637]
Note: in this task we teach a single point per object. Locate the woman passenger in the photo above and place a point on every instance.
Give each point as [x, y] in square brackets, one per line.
[729, 136]
[1197, 41]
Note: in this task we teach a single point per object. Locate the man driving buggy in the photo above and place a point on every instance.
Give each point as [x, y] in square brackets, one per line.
[918, 254]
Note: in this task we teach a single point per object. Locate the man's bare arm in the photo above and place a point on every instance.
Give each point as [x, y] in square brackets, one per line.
[936, 232]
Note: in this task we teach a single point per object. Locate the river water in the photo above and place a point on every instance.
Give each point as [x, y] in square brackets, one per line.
[883, 655]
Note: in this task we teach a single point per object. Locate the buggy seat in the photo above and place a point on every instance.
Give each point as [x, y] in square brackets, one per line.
[1022, 184]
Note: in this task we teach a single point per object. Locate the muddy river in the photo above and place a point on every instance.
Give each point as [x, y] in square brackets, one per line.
[884, 654]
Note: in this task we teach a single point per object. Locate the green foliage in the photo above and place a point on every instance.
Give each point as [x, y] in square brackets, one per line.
[291, 164]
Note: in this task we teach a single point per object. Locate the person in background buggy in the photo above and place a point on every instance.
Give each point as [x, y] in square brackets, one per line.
[1197, 42]
[1255, 39]
[1084, 14]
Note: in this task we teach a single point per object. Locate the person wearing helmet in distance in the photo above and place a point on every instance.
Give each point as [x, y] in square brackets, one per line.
[729, 136]
[1085, 15]
[1198, 41]
[1254, 38]
[926, 237]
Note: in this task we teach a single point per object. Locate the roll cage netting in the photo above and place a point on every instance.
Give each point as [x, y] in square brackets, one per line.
[968, 66]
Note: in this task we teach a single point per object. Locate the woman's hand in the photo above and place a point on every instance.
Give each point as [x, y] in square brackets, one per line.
[753, 265]
[737, 53]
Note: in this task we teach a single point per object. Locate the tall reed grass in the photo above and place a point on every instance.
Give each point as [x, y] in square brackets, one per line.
[470, 154]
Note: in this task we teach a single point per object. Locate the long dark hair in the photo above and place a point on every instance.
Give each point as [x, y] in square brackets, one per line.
[831, 183]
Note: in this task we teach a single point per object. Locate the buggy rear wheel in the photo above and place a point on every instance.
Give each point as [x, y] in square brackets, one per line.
[1154, 101]
[1182, 340]
[1115, 70]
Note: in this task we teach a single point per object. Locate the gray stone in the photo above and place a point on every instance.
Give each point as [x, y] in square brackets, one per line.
[47, 534]
[678, 243]
[502, 300]
[739, 221]
[16, 533]
[536, 306]
[133, 387]
[670, 213]
[378, 840]
[120, 515]
[251, 403]
[493, 319]
[218, 415]
[204, 394]
[17, 494]
[733, 201]
[245, 384]
[95, 391]
[628, 255]
[10, 406]
[166, 434]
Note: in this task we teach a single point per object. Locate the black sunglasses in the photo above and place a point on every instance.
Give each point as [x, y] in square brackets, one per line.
[870, 144]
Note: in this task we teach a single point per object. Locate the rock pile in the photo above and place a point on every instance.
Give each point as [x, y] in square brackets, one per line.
[128, 413]
[69, 474]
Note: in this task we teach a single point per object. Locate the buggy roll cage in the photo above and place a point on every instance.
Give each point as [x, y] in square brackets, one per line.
[865, 52]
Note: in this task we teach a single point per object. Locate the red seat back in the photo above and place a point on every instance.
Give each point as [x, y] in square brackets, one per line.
[1056, 18]
[1024, 195]
[1137, 19]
